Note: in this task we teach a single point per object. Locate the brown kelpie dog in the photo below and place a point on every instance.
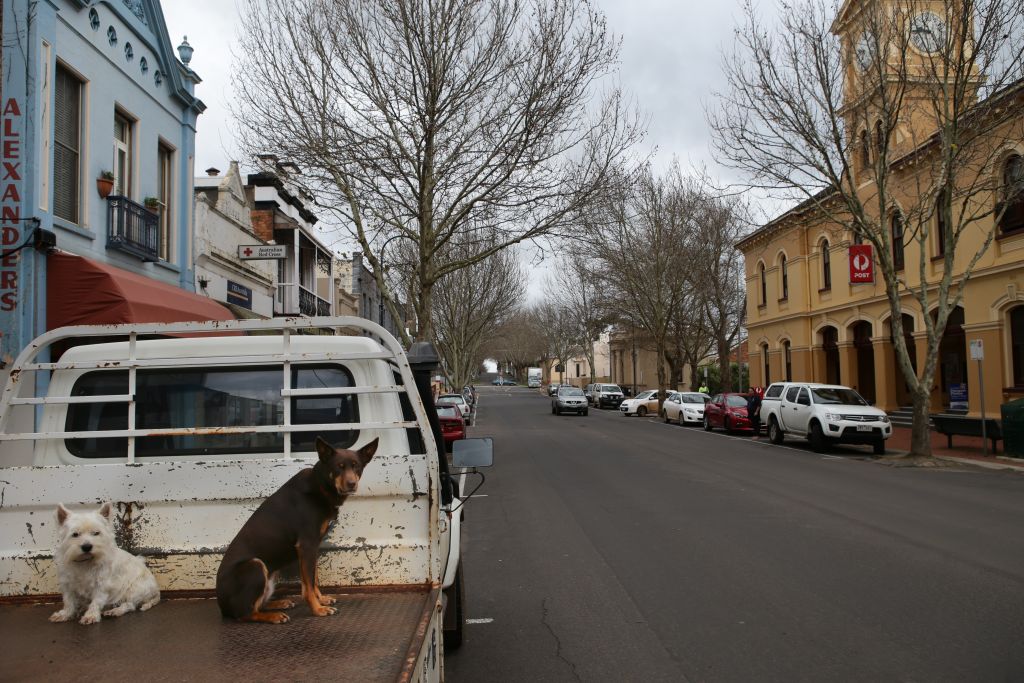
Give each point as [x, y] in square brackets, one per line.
[294, 519]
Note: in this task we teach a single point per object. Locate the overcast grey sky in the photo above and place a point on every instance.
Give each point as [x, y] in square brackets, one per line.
[670, 63]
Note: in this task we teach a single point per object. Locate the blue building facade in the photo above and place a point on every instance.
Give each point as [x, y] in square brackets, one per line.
[97, 142]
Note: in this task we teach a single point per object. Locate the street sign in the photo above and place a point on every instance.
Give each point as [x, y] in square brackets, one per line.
[862, 264]
[254, 252]
[977, 350]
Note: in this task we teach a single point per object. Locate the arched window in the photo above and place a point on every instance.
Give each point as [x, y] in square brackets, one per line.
[826, 266]
[787, 357]
[767, 365]
[784, 273]
[1017, 345]
[1010, 210]
[940, 221]
[897, 240]
[879, 138]
[764, 286]
[865, 150]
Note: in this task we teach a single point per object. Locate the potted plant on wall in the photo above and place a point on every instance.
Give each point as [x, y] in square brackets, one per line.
[153, 204]
[105, 183]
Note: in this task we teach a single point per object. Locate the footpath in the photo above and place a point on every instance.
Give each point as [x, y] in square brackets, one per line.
[966, 449]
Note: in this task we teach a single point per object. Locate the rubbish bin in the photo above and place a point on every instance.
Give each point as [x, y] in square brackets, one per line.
[1013, 428]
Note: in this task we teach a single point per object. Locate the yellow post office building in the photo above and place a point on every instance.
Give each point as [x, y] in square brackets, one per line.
[807, 322]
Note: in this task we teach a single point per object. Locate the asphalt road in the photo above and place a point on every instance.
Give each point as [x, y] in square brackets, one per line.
[605, 548]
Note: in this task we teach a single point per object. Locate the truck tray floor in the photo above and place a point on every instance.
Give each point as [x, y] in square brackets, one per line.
[187, 640]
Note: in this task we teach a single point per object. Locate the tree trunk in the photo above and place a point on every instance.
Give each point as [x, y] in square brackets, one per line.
[920, 433]
[424, 312]
[724, 365]
[661, 376]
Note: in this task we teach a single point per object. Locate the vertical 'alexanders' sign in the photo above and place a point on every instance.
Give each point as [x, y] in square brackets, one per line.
[10, 205]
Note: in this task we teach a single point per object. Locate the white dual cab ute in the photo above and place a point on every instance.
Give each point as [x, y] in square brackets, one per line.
[186, 428]
[823, 414]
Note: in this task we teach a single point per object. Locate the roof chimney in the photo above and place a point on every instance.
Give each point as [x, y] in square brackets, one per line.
[213, 172]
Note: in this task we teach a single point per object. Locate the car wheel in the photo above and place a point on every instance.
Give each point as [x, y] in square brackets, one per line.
[641, 411]
[707, 424]
[586, 411]
[817, 439]
[775, 433]
[558, 411]
[879, 447]
[664, 415]
[552, 410]
[727, 425]
[682, 422]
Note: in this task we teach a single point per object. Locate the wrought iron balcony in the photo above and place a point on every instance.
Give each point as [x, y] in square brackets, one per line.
[132, 228]
[312, 305]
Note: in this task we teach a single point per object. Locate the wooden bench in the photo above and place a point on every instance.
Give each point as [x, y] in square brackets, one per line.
[961, 425]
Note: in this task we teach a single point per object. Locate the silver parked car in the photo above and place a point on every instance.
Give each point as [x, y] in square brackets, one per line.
[569, 399]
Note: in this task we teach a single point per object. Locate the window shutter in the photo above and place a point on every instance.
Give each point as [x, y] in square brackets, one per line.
[67, 133]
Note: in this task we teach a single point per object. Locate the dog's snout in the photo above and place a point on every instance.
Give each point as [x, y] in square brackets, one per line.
[86, 547]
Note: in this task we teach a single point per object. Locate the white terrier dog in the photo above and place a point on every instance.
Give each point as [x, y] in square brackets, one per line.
[94, 573]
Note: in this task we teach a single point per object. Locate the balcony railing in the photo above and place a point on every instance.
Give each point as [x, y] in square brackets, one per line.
[311, 304]
[132, 228]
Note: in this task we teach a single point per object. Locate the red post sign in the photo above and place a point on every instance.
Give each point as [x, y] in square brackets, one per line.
[862, 264]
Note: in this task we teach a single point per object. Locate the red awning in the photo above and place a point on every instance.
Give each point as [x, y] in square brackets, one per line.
[84, 292]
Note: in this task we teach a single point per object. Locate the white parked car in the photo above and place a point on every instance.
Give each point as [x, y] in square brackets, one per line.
[823, 414]
[685, 407]
[643, 403]
[457, 400]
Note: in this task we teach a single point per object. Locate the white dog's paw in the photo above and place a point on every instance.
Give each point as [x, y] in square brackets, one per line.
[90, 617]
[62, 615]
[118, 611]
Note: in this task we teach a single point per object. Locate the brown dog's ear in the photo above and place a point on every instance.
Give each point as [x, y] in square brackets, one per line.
[105, 510]
[367, 451]
[62, 513]
[324, 449]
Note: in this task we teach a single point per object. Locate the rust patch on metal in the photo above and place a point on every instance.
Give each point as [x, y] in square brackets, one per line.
[124, 530]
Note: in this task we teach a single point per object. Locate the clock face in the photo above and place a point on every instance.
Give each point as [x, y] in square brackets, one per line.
[928, 32]
[864, 52]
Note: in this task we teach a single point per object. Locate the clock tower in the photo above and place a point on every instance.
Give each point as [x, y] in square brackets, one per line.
[899, 58]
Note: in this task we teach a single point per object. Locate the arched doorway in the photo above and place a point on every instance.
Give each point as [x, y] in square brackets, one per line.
[903, 396]
[861, 332]
[953, 355]
[830, 347]
[1017, 345]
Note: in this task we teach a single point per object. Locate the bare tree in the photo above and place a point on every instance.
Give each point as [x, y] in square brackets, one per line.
[717, 278]
[435, 121]
[469, 303]
[641, 233]
[909, 112]
[518, 341]
[558, 329]
[579, 286]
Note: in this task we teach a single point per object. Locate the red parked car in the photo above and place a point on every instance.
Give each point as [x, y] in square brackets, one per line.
[727, 411]
[453, 427]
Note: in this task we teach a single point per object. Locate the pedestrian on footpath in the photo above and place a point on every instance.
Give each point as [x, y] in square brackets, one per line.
[704, 388]
[754, 411]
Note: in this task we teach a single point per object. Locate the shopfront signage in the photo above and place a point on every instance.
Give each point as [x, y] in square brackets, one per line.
[239, 295]
[862, 264]
[255, 252]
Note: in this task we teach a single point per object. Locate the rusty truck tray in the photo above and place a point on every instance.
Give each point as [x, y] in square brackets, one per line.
[375, 636]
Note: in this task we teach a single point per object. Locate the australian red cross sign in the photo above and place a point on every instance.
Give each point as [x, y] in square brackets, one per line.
[862, 264]
[254, 252]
